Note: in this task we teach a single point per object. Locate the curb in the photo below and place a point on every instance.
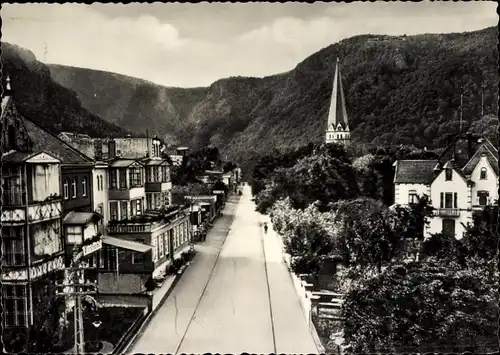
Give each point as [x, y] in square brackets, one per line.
[312, 327]
[128, 343]
[131, 341]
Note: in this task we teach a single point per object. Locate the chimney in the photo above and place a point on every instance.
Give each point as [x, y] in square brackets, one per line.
[111, 149]
[97, 149]
[469, 144]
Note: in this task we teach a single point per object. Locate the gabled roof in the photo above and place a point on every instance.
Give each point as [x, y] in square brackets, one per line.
[491, 156]
[124, 163]
[414, 171]
[46, 141]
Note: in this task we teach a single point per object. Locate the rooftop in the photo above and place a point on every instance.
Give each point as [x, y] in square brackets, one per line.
[414, 171]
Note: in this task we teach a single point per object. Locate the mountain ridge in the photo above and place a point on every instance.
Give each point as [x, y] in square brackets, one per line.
[398, 90]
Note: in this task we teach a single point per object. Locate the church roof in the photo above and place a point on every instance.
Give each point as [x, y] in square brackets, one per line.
[338, 112]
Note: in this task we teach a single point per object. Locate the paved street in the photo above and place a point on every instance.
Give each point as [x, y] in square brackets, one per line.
[230, 300]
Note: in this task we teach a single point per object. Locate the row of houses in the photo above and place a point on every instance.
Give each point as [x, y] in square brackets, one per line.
[112, 210]
[460, 183]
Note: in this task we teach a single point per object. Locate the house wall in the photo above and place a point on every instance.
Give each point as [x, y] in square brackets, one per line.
[456, 184]
[45, 239]
[401, 192]
[124, 284]
[80, 203]
[489, 184]
[100, 194]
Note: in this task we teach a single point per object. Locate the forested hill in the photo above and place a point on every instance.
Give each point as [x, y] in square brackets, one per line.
[39, 98]
[402, 89]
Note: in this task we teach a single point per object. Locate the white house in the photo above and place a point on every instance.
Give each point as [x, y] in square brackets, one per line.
[451, 198]
[100, 191]
[463, 180]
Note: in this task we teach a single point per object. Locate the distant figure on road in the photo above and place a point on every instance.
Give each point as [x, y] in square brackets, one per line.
[265, 227]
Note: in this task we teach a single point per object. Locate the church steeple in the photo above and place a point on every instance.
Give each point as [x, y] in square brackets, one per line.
[338, 125]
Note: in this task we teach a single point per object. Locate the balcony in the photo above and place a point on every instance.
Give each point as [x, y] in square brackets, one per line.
[158, 186]
[37, 212]
[146, 224]
[127, 194]
[447, 212]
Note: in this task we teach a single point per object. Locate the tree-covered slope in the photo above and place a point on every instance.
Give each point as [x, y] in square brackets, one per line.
[403, 89]
[39, 98]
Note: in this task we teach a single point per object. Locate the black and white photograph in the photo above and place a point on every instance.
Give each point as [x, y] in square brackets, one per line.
[263, 178]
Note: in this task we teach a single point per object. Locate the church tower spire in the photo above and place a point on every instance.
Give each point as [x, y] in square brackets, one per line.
[337, 130]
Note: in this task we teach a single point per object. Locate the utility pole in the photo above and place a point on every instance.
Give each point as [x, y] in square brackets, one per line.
[77, 289]
[461, 107]
[482, 110]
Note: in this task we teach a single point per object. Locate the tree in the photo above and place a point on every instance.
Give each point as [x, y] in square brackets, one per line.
[366, 233]
[423, 307]
[309, 245]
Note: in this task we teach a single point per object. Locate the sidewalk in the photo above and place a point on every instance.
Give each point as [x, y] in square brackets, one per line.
[286, 300]
[163, 332]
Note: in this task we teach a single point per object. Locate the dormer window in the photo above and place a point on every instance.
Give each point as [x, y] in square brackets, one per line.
[66, 189]
[448, 174]
[483, 174]
[412, 197]
[73, 188]
[84, 186]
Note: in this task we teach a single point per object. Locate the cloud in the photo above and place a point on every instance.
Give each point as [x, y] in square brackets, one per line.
[147, 47]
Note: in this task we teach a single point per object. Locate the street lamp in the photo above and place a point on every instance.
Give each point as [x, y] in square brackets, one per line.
[97, 324]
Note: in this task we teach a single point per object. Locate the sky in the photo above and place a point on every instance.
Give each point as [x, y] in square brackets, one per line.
[190, 45]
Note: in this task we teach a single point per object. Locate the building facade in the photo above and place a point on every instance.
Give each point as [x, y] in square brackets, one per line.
[32, 242]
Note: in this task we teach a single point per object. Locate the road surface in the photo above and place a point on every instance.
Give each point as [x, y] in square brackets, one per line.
[236, 296]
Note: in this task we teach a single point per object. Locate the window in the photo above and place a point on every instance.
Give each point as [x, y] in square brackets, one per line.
[483, 197]
[149, 201]
[137, 258]
[73, 188]
[113, 211]
[66, 189]
[138, 206]
[13, 246]
[449, 200]
[109, 256]
[166, 242]
[15, 305]
[135, 177]
[448, 227]
[123, 210]
[165, 174]
[84, 186]
[448, 174]
[113, 181]
[412, 196]
[155, 174]
[160, 246]
[482, 174]
[123, 178]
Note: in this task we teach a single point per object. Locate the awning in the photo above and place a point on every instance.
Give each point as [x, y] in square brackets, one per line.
[80, 218]
[126, 244]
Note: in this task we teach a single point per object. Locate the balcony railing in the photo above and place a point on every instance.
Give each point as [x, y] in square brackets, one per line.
[37, 212]
[448, 212]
